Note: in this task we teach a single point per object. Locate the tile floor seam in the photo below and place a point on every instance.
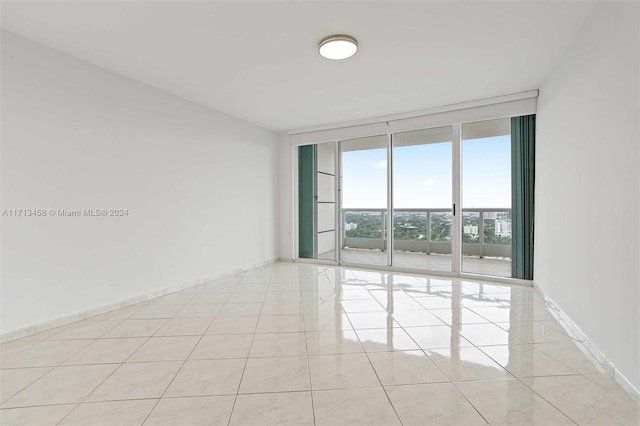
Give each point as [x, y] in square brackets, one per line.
[77, 404]
[105, 379]
[61, 364]
[427, 355]
[179, 369]
[235, 400]
[424, 351]
[548, 401]
[72, 403]
[470, 403]
[437, 366]
[585, 375]
[20, 390]
[596, 366]
[139, 319]
[93, 338]
[21, 350]
[306, 346]
[380, 381]
[35, 405]
[575, 373]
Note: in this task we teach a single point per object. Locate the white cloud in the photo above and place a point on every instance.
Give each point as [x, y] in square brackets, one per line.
[381, 164]
[429, 182]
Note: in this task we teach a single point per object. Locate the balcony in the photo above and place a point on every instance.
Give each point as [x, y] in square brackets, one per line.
[423, 239]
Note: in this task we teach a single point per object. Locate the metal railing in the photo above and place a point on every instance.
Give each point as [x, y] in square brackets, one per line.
[427, 244]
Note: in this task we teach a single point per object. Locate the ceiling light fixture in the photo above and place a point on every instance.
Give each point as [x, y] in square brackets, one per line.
[338, 47]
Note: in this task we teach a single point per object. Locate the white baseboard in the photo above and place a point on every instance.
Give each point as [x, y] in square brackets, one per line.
[575, 331]
[67, 319]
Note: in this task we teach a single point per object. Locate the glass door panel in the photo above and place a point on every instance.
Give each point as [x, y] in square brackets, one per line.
[326, 201]
[317, 201]
[364, 200]
[422, 199]
[486, 197]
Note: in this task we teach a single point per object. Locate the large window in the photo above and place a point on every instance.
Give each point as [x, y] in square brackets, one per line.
[438, 199]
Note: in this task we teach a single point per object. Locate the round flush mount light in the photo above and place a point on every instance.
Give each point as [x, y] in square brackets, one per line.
[338, 47]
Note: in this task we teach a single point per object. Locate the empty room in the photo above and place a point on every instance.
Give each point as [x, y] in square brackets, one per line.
[319, 213]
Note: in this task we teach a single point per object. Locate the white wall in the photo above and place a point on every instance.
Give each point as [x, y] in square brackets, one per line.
[201, 187]
[286, 208]
[587, 184]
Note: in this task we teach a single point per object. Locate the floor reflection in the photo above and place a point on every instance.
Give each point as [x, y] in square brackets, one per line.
[416, 348]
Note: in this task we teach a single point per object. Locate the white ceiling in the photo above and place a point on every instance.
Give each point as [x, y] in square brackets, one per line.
[258, 60]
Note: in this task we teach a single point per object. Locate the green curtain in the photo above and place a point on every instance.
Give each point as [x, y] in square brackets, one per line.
[523, 173]
[306, 178]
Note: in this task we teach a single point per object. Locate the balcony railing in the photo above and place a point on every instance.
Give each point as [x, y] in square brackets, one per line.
[428, 231]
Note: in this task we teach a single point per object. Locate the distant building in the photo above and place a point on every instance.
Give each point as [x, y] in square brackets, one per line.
[470, 229]
[503, 228]
[350, 226]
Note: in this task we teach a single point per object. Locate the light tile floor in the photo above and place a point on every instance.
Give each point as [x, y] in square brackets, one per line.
[307, 344]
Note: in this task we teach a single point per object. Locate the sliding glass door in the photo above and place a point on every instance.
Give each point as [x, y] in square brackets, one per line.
[363, 211]
[486, 197]
[456, 198]
[422, 199]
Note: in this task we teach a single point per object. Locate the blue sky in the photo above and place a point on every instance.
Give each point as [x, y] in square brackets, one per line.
[422, 175]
